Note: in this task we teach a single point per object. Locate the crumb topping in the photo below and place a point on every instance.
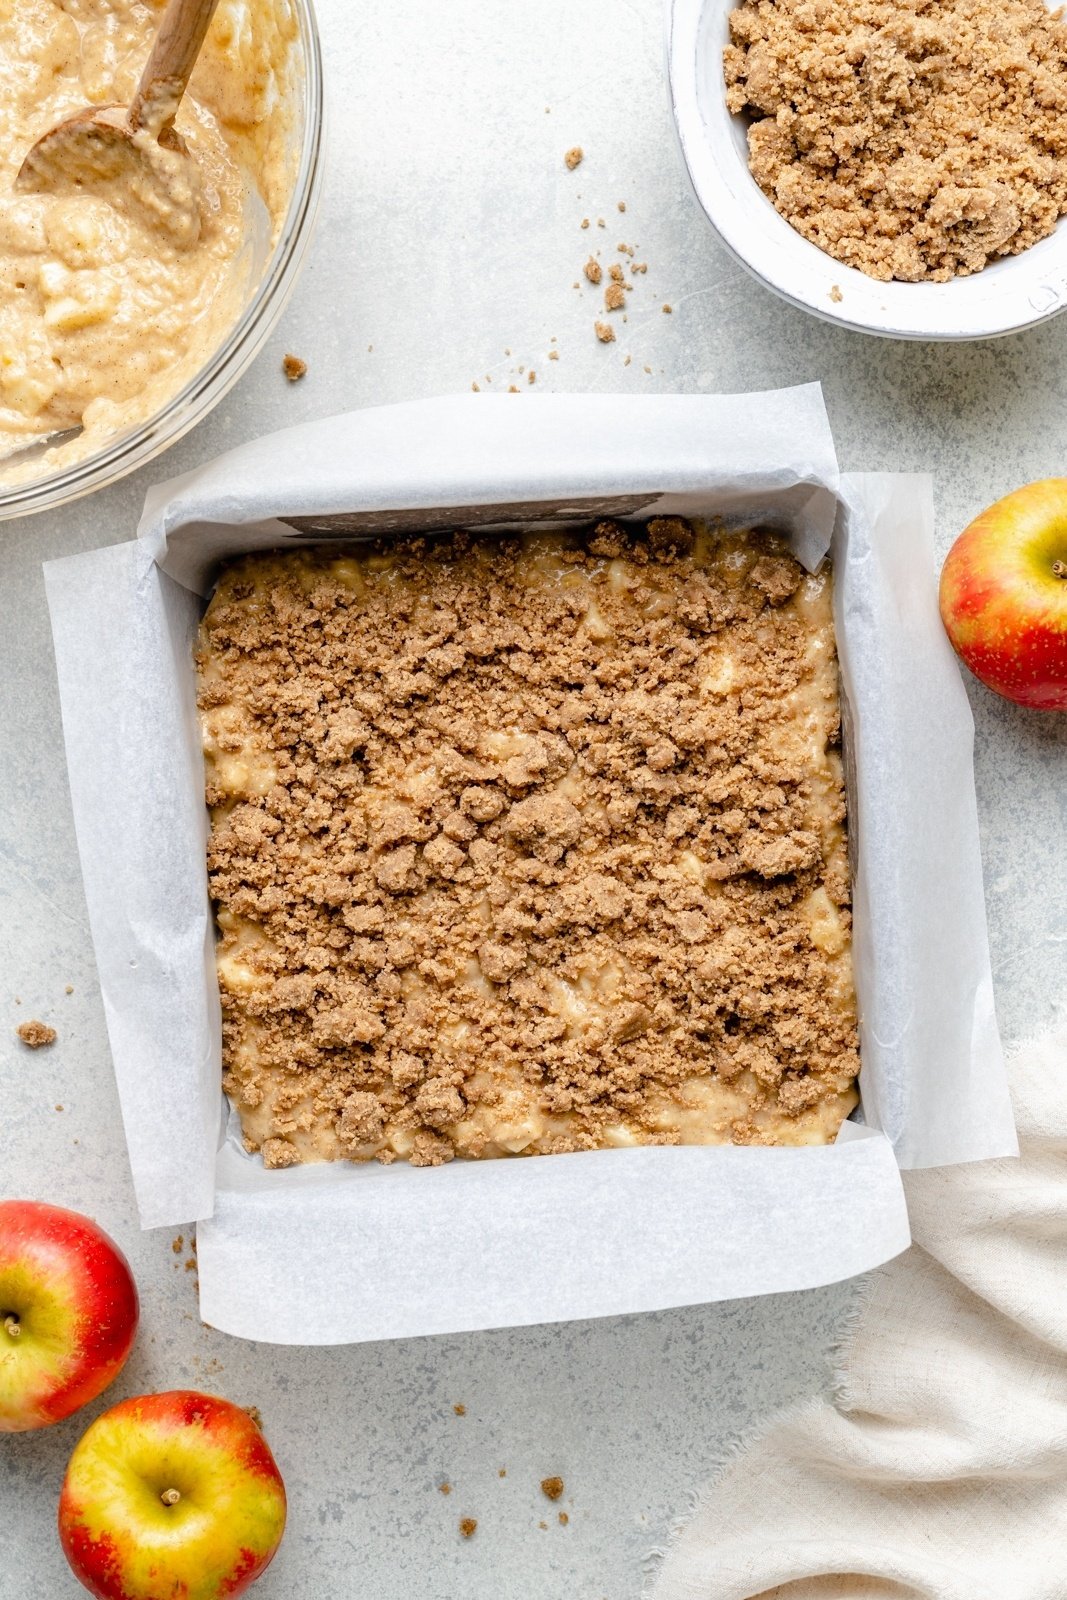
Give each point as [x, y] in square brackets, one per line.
[906, 138]
[528, 846]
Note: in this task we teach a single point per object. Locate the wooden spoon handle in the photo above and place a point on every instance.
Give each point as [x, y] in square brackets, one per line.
[166, 75]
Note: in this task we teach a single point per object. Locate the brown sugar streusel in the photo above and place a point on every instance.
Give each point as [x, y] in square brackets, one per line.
[528, 846]
[913, 139]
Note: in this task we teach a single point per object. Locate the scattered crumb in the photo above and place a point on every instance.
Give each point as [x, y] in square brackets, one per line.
[177, 1244]
[600, 222]
[622, 205]
[648, 369]
[552, 1487]
[370, 349]
[467, 1526]
[604, 332]
[507, 352]
[564, 1519]
[294, 368]
[614, 297]
[626, 363]
[835, 295]
[593, 270]
[503, 1472]
[253, 1411]
[513, 388]
[476, 389]
[543, 1525]
[461, 1411]
[59, 1108]
[616, 272]
[625, 249]
[585, 222]
[638, 266]
[667, 310]
[553, 355]
[573, 158]
[69, 989]
[190, 1264]
[36, 1034]
[489, 377]
[531, 376]
[445, 1488]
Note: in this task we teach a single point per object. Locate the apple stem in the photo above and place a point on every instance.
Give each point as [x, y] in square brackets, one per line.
[12, 1326]
[1059, 568]
[170, 1497]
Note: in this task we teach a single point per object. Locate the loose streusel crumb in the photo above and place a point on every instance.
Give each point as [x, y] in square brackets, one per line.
[604, 332]
[460, 1410]
[574, 156]
[468, 1526]
[563, 1519]
[909, 138]
[593, 270]
[528, 846]
[36, 1034]
[552, 1487]
[614, 297]
[835, 294]
[294, 368]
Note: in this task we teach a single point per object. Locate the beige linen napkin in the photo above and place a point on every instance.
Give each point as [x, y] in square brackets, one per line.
[939, 1472]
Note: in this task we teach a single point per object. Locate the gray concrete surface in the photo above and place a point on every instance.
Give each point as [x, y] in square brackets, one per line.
[450, 236]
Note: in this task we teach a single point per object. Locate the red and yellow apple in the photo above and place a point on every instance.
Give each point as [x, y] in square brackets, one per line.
[171, 1494]
[1004, 596]
[68, 1313]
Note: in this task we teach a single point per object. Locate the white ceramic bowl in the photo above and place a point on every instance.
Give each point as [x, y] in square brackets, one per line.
[1013, 293]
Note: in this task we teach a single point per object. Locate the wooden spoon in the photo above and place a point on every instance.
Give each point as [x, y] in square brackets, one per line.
[135, 154]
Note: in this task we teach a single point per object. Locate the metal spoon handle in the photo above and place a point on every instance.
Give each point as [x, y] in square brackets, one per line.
[166, 75]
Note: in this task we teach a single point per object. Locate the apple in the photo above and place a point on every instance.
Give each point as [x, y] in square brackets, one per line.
[171, 1494]
[1004, 596]
[68, 1313]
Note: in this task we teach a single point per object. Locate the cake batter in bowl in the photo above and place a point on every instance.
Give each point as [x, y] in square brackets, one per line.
[116, 334]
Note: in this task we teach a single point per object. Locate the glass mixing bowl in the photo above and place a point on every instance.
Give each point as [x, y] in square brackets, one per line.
[272, 283]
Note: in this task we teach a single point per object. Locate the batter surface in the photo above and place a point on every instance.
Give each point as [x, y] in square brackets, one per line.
[529, 847]
[104, 313]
